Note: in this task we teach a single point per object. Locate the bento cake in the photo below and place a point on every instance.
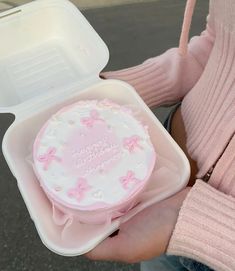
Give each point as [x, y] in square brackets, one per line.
[92, 155]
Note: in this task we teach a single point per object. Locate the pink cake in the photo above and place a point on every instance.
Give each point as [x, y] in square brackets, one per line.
[93, 159]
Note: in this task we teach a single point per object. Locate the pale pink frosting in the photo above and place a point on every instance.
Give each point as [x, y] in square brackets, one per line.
[92, 147]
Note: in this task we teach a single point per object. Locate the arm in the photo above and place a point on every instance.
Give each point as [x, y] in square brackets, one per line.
[205, 229]
[167, 78]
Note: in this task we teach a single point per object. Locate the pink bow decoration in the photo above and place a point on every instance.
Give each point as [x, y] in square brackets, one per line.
[94, 117]
[129, 180]
[79, 191]
[132, 143]
[48, 157]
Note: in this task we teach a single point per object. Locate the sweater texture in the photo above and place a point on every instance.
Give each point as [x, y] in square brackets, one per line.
[201, 74]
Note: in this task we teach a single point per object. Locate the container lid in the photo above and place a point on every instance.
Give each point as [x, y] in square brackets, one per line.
[48, 48]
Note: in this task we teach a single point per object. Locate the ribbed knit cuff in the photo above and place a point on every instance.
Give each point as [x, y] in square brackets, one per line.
[148, 79]
[205, 230]
[153, 80]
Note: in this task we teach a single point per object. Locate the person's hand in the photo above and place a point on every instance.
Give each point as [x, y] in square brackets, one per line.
[144, 236]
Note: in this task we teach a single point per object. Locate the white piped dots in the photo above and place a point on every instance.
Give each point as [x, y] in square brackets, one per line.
[58, 188]
[98, 194]
[71, 122]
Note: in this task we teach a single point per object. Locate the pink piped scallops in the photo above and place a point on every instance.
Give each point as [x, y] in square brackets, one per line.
[93, 159]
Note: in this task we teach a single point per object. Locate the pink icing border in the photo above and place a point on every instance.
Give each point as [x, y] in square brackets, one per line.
[97, 206]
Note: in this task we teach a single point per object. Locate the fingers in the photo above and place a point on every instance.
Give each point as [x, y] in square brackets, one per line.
[112, 249]
[102, 76]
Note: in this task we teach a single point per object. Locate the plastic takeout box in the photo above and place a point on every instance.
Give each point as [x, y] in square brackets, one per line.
[50, 57]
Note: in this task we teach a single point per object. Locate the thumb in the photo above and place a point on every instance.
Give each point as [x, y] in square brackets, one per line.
[109, 75]
[102, 75]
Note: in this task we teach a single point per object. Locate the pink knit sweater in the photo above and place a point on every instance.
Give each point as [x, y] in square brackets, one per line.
[202, 75]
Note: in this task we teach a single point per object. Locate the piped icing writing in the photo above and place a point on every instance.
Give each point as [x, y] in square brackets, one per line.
[92, 149]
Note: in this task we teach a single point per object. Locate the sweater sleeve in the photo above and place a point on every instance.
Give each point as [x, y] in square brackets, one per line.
[205, 229]
[166, 79]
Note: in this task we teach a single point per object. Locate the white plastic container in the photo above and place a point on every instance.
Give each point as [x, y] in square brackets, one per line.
[50, 57]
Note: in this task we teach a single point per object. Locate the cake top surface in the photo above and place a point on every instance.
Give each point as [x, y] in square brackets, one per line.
[93, 154]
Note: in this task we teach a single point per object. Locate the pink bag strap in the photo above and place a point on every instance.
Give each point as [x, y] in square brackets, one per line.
[184, 37]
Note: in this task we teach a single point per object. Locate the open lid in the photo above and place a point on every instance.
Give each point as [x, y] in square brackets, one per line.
[47, 48]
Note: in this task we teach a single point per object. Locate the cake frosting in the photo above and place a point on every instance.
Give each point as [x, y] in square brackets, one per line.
[93, 155]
